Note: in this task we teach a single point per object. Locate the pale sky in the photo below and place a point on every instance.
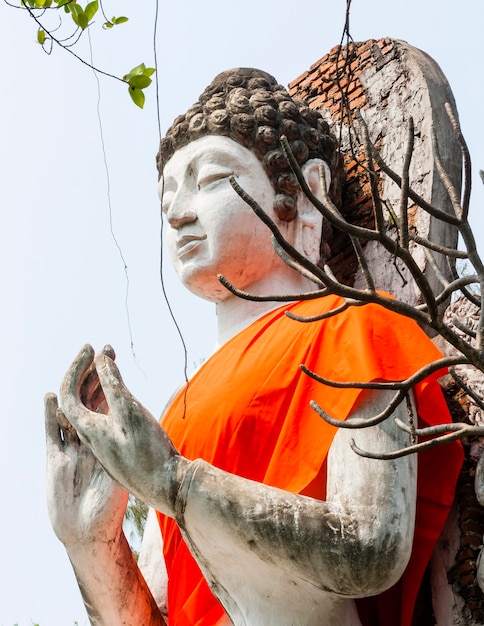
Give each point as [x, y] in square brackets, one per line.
[63, 279]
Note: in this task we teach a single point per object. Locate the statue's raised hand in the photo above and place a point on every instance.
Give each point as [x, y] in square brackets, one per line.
[85, 505]
[125, 438]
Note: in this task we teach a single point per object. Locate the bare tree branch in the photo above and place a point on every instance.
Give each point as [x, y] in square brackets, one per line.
[324, 316]
[396, 235]
[468, 331]
[465, 158]
[405, 385]
[448, 252]
[466, 388]
[419, 447]
[361, 422]
[405, 186]
[365, 270]
[310, 295]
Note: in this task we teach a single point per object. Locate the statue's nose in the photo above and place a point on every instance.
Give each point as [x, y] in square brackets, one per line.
[181, 210]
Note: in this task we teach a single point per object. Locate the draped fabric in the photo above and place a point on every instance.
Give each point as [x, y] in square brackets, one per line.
[246, 411]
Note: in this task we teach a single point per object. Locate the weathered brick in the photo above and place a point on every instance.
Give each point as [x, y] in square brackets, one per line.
[319, 62]
[358, 103]
[365, 55]
[319, 101]
[354, 65]
[298, 80]
[327, 67]
[357, 92]
[306, 82]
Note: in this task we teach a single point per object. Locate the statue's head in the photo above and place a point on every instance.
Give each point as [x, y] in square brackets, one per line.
[249, 107]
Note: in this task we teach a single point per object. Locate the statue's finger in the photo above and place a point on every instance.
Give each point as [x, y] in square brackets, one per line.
[52, 430]
[108, 371]
[98, 398]
[120, 400]
[71, 385]
[108, 350]
[111, 381]
[68, 431]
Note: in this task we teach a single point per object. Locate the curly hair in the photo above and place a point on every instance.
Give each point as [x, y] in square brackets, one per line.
[250, 107]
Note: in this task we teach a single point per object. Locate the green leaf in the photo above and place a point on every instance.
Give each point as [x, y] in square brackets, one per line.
[74, 8]
[149, 71]
[91, 9]
[120, 20]
[82, 20]
[140, 81]
[139, 69]
[78, 15]
[41, 36]
[137, 96]
[107, 25]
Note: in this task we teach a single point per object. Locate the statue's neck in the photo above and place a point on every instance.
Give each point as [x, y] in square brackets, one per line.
[234, 313]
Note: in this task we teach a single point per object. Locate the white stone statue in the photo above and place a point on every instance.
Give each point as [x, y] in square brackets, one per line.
[277, 544]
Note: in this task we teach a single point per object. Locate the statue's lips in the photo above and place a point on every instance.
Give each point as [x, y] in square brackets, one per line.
[187, 243]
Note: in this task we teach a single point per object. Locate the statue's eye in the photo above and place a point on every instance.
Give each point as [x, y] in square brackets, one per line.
[209, 177]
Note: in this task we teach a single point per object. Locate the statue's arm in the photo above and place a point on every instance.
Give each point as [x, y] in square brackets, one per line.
[355, 544]
[112, 586]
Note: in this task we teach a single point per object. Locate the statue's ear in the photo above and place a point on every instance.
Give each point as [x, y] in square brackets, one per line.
[311, 173]
[309, 218]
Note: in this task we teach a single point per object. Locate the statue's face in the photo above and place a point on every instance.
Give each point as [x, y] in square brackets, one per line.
[211, 229]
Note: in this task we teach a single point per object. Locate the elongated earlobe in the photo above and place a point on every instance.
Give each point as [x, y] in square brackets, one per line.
[309, 218]
[311, 171]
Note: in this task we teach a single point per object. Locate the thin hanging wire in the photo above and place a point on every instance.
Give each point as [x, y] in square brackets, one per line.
[110, 207]
[162, 279]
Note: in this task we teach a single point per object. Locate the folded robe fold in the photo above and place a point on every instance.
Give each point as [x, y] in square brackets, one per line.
[246, 411]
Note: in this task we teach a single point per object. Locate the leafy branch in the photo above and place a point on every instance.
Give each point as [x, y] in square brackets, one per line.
[82, 17]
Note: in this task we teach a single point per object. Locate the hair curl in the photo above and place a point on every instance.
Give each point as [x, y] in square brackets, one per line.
[250, 107]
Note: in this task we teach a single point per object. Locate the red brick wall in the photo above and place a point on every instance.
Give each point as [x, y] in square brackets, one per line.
[332, 84]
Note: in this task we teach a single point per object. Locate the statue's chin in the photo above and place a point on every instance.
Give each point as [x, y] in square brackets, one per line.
[207, 287]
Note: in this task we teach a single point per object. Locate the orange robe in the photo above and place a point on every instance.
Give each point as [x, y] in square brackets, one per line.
[246, 411]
